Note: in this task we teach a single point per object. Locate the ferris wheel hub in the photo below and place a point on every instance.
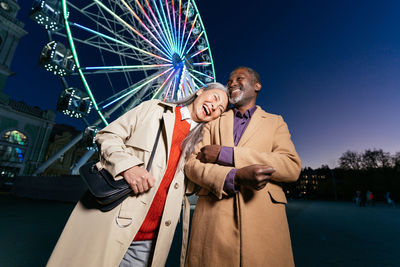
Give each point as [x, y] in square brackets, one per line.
[177, 61]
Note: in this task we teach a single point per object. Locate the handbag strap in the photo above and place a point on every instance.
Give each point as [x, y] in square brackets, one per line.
[156, 142]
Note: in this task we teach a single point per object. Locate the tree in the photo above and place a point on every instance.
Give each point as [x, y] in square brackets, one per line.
[350, 160]
[376, 159]
[396, 160]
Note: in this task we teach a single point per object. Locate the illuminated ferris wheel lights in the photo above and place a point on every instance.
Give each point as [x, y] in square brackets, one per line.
[189, 34]
[56, 58]
[207, 74]
[169, 52]
[118, 41]
[47, 13]
[129, 26]
[165, 82]
[195, 41]
[136, 88]
[198, 52]
[164, 46]
[127, 67]
[202, 64]
[74, 103]
[163, 28]
[163, 38]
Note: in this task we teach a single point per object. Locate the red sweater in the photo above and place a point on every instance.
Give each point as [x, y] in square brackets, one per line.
[150, 225]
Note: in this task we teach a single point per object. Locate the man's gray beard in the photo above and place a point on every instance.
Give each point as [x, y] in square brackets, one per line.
[236, 99]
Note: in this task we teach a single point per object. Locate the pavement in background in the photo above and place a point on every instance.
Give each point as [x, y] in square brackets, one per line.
[323, 233]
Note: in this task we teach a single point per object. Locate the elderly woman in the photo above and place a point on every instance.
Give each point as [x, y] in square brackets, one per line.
[139, 231]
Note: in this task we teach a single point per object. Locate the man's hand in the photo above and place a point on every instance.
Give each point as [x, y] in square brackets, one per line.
[209, 154]
[254, 176]
[139, 179]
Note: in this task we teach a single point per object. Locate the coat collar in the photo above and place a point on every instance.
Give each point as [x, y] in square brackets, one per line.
[227, 126]
[169, 121]
[254, 125]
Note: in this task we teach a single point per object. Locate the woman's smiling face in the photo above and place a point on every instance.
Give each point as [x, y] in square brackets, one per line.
[208, 105]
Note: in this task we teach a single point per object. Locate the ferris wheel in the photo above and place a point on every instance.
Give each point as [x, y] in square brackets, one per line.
[113, 54]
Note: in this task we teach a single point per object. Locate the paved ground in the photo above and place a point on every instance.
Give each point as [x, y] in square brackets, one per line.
[323, 233]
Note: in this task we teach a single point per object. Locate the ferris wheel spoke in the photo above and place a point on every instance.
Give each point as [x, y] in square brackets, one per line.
[197, 79]
[139, 95]
[160, 23]
[203, 74]
[195, 41]
[105, 69]
[171, 26]
[163, 38]
[179, 22]
[174, 20]
[184, 26]
[147, 29]
[189, 34]
[139, 84]
[136, 88]
[129, 26]
[98, 19]
[202, 64]
[86, 7]
[191, 91]
[118, 41]
[164, 23]
[96, 45]
[196, 85]
[172, 71]
[168, 89]
[198, 52]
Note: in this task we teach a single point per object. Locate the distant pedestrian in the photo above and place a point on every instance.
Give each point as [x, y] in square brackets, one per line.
[390, 201]
[357, 198]
[370, 198]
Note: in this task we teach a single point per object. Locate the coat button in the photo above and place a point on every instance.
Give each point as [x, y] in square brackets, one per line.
[168, 223]
[176, 185]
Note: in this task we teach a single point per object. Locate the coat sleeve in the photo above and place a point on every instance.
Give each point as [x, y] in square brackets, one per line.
[208, 176]
[114, 155]
[283, 157]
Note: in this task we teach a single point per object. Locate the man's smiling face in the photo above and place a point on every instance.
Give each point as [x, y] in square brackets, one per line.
[241, 87]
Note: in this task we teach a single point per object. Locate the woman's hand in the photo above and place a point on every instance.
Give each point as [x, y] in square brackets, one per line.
[139, 179]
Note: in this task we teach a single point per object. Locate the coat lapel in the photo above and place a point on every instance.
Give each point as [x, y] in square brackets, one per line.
[254, 125]
[169, 121]
[226, 129]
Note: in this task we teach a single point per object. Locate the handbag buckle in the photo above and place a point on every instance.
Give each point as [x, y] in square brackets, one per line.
[123, 225]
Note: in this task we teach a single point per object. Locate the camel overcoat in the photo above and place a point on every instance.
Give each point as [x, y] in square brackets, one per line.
[95, 238]
[250, 228]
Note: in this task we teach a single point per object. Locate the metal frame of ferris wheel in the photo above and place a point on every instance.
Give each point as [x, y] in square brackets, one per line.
[164, 45]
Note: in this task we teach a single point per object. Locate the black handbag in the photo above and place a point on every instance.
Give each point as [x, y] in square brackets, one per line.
[107, 191]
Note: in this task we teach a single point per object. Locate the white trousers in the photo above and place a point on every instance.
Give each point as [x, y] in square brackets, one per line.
[138, 254]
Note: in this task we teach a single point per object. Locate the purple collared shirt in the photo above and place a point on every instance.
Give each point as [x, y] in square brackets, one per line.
[225, 156]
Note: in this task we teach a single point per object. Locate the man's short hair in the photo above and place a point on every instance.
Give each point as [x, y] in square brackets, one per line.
[256, 76]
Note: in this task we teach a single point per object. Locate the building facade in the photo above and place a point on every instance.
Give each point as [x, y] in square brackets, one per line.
[11, 31]
[24, 133]
[24, 130]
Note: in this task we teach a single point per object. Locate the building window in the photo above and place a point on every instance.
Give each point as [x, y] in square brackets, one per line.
[11, 154]
[12, 146]
[15, 137]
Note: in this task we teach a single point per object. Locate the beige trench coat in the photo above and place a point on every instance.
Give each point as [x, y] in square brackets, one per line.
[94, 238]
[250, 228]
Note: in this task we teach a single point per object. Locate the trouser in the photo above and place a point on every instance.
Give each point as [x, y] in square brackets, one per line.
[138, 254]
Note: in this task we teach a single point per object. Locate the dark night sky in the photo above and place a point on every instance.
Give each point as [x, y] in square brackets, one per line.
[330, 68]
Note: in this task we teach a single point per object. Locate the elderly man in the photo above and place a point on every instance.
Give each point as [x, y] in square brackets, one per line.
[245, 155]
